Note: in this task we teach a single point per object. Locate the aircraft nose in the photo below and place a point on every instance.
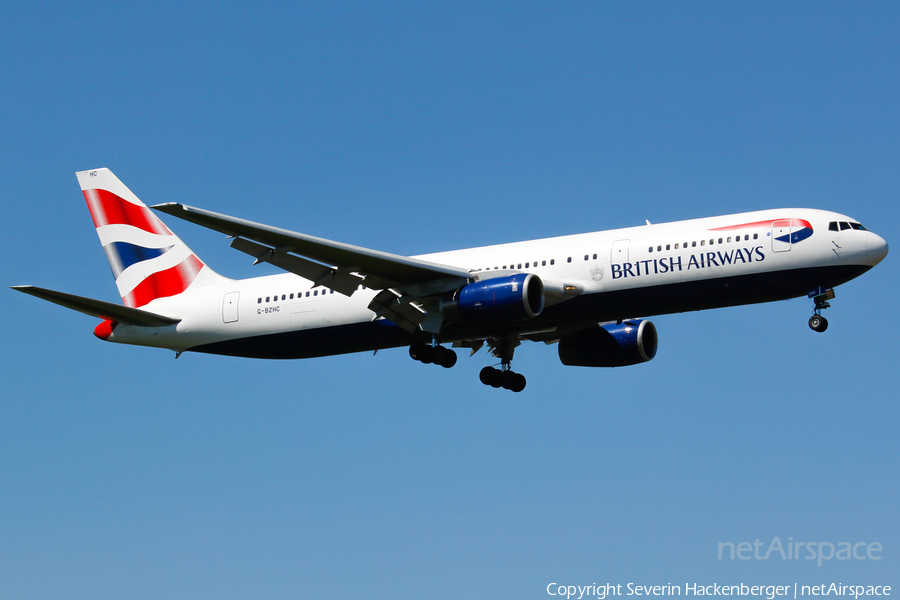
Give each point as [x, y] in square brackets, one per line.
[876, 248]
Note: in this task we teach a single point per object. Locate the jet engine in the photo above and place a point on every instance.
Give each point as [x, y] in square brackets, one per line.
[610, 345]
[513, 298]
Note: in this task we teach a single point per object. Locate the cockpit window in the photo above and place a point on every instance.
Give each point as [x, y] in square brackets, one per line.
[845, 225]
[833, 226]
[858, 227]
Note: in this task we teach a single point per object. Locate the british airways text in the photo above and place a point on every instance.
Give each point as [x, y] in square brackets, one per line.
[703, 260]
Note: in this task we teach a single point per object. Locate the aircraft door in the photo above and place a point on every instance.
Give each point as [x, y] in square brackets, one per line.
[781, 236]
[619, 253]
[230, 307]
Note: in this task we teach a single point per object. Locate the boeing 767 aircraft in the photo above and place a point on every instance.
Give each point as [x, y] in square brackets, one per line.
[587, 293]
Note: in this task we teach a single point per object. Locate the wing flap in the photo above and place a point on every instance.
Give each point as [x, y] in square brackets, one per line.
[99, 308]
[339, 280]
[398, 309]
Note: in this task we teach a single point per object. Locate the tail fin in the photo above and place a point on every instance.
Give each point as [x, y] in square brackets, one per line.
[146, 258]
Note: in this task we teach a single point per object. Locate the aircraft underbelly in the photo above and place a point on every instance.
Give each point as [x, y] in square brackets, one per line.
[588, 308]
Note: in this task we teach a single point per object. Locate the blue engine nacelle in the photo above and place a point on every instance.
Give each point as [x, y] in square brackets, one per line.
[513, 298]
[612, 345]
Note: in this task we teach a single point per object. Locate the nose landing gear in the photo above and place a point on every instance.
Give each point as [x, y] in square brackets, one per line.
[820, 296]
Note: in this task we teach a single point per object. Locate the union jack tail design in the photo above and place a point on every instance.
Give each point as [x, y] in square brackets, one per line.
[146, 258]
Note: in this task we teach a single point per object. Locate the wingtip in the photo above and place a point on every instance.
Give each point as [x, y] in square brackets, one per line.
[169, 207]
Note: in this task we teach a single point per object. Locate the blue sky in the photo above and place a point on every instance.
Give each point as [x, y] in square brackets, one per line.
[422, 127]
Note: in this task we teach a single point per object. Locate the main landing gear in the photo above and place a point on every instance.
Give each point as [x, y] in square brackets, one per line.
[504, 376]
[820, 296]
[506, 379]
[435, 354]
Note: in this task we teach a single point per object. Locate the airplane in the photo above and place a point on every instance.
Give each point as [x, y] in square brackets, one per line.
[589, 293]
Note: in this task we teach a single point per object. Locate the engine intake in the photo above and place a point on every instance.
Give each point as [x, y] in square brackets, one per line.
[513, 298]
[612, 345]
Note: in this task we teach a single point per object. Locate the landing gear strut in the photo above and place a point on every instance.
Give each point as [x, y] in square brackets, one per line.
[504, 376]
[820, 296]
[435, 354]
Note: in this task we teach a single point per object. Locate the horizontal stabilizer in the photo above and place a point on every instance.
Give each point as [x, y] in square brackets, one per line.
[99, 308]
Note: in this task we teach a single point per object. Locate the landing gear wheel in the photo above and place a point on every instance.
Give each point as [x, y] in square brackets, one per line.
[506, 379]
[417, 350]
[421, 352]
[437, 354]
[448, 358]
[518, 382]
[514, 382]
[490, 376]
[818, 323]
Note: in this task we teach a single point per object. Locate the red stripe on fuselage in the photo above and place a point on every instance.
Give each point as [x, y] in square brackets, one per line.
[766, 223]
[109, 209]
[163, 284]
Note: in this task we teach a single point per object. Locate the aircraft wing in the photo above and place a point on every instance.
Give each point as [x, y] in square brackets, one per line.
[336, 265]
[99, 308]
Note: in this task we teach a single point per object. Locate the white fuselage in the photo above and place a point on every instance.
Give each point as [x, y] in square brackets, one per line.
[633, 272]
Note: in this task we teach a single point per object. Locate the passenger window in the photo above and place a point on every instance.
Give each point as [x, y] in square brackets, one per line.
[569, 259]
[693, 244]
[720, 240]
[283, 297]
[595, 257]
[259, 300]
[755, 236]
[676, 246]
[650, 249]
[702, 242]
[543, 263]
[668, 246]
[585, 257]
[267, 298]
[552, 261]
